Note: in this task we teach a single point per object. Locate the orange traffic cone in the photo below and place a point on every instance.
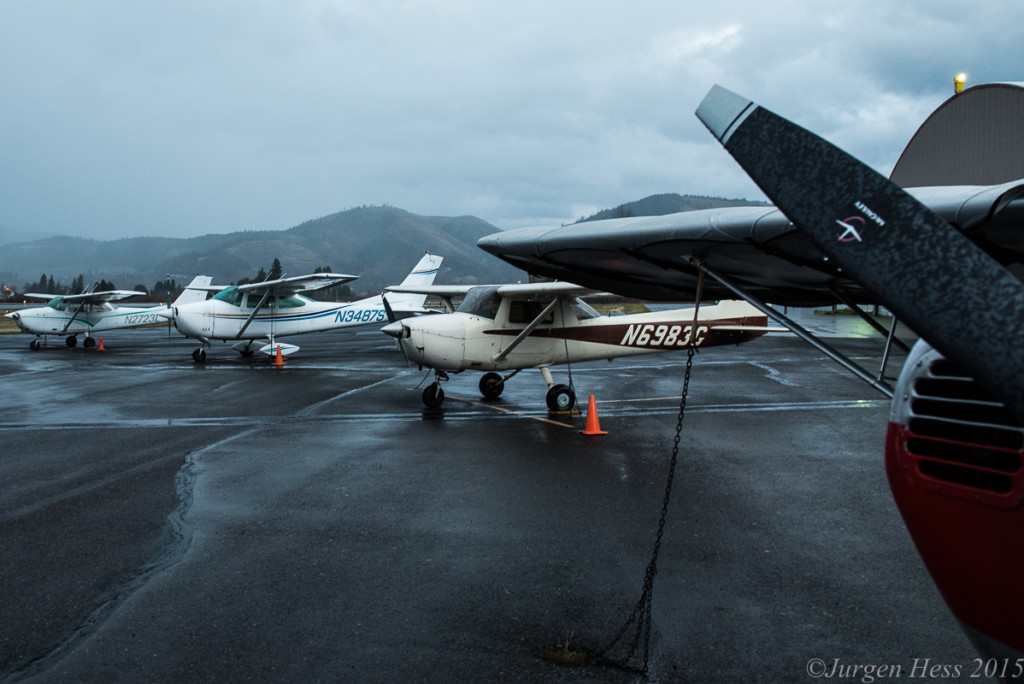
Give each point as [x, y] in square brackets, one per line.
[278, 359]
[593, 425]
[100, 347]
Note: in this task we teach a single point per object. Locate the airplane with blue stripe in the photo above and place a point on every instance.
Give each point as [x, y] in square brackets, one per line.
[253, 316]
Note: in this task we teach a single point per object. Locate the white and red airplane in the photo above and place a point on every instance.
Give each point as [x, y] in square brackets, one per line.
[500, 328]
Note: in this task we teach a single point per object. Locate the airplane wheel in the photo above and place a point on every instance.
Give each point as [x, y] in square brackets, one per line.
[71, 340]
[199, 355]
[247, 353]
[34, 345]
[561, 398]
[491, 385]
[433, 395]
[89, 343]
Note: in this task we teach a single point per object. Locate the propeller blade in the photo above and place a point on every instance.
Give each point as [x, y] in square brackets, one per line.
[389, 312]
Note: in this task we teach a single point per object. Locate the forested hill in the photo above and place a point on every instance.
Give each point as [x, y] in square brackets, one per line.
[379, 244]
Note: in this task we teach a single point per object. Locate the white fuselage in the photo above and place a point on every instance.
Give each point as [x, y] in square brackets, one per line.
[93, 318]
[469, 341]
[295, 315]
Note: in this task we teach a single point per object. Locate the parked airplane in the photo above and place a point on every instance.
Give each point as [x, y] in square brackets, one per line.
[537, 325]
[255, 315]
[93, 312]
[938, 256]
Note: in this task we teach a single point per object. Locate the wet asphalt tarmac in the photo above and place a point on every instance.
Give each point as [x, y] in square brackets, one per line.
[167, 521]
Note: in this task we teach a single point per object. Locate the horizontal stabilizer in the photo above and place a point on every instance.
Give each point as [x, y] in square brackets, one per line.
[271, 349]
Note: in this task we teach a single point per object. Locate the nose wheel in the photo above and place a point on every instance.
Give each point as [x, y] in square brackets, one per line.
[199, 355]
[433, 395]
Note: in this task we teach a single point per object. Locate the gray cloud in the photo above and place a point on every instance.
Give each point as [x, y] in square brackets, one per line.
[124, 118]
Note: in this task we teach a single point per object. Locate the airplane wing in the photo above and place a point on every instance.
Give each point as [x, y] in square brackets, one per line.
[757, 248]
[100, 297]
[555, 288]
[284, 287]
[924, 270]
[433, 290]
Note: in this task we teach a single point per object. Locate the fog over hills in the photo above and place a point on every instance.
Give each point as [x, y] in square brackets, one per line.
[379, 244]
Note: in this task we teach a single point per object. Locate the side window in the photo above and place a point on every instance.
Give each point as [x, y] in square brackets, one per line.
[289, 302]
[525, 311]
[583, 310]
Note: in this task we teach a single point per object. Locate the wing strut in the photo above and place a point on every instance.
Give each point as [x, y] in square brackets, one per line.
[881, 329]
[263, 301]
[878, 383]
[526, 331]
[72, 319]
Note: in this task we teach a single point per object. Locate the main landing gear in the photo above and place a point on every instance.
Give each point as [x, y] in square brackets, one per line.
[71, 341]
[199, 355]
[559, 398]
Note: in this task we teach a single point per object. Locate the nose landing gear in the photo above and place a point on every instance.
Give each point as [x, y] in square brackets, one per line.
[433, 395]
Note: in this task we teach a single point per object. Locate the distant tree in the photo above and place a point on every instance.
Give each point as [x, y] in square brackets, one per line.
[51, 287]
[42, 284]
[261, 275]
[78, 284]
[275, 269]
[106, 285]
[141, 288]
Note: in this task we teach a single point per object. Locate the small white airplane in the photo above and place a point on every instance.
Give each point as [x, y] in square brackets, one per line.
[93, 312]
[255, 315]
[537, 325]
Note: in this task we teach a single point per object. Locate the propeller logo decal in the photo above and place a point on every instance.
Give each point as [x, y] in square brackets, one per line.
[851, 232]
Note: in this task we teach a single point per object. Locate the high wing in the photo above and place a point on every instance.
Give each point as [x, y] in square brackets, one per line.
[286, 287]
[89, 297]
[552, 289]
[757, 248]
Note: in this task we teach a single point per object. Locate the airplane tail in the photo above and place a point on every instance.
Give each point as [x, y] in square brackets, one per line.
[422, 275]
[191, 294]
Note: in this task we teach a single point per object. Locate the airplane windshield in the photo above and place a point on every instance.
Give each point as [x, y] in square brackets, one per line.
[481, 301]
[57, 303]
[229, 295]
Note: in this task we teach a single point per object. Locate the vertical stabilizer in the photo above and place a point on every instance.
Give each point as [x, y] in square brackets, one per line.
[194, 291]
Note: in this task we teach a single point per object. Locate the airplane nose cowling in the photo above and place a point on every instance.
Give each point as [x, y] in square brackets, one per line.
[436, 341]
[393, 329]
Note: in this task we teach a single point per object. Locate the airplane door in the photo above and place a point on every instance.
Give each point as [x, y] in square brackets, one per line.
[540, 345]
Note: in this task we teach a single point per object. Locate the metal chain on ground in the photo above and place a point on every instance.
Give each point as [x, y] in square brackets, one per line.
[641, 614]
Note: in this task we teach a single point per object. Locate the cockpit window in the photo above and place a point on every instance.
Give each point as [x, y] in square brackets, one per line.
[57, 303]
[481, 301]
[525, 311]
[289, 302]
[252, 300]
[583, 310]
[229, 295]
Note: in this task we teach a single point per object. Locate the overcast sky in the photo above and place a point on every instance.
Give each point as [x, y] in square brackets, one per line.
[122, 117]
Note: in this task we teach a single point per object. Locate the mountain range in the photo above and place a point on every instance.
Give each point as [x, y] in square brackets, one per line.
[379, 244]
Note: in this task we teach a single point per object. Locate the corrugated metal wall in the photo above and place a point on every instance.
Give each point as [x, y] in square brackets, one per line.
[974, 138]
